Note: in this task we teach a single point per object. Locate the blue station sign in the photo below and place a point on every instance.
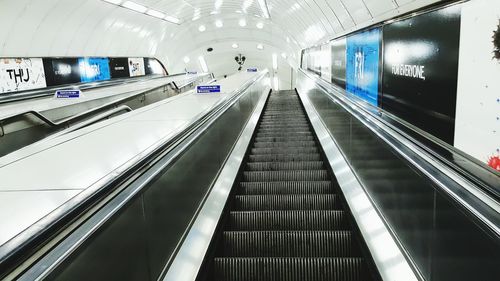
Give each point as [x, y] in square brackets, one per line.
[206, 89]
[252, 69]
[68, 94]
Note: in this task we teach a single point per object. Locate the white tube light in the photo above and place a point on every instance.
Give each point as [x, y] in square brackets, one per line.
[275, 61]
[172, 19]
[156, 14]
[263, 7]
[203, 64]
[116, 2]
[134, 6]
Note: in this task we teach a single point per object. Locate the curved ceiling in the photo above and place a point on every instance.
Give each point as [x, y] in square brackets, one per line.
[97, 28]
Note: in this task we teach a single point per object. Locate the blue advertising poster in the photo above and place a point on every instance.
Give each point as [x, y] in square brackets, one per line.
[94, 69]
[362, 69]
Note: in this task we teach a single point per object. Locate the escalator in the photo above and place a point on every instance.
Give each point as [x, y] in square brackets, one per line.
[285, 219]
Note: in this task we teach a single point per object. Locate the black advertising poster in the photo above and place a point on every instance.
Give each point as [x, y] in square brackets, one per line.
[420, 70]
[119, 67]
[153, 67]
[338, 61]
[61, 71]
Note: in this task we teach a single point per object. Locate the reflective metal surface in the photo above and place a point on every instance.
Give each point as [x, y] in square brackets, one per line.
[154, 213]
[390, 261]
[437, 233]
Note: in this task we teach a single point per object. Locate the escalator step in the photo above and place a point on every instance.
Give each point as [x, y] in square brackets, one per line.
[290, 187]
[283, 134]
[284, 150]
[286, 202]
[288, 244]
[285, 144]
[284, 138]
[276, 166]
[300, 175]
[290, 269]
[284, 157]
[287, 220]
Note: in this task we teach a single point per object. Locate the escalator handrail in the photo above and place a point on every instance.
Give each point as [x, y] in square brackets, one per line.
[30, 94]
[488, 208]
[17, 250]
[82, 115]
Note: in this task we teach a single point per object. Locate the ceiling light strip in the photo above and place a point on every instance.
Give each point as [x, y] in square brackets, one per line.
[144, 10]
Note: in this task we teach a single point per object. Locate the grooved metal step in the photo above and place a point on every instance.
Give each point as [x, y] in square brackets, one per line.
[277, 166]
[284, 150]
[290, 269]
[289, 187]
[288, 244]
[287, 220]
[283, 134]
[283, 139]
[286, 202]
[284, 157]
[284, 144]
[301, 175]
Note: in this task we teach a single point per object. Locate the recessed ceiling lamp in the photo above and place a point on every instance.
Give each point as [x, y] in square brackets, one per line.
[260, 46]
[219, 23]
[242, 22]
[283, 55]
[202, 28]
[260, 25]
[235, 46]
[187, 59]
[134, 6]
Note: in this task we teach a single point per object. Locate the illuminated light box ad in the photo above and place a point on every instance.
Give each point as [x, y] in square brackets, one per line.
[338, 61]
[153, 67]
[136, 67]
[94, 69]
[61, 71]
[119, 67]
[19, 74]
[477, 125]
[362, 58]
[420, 70]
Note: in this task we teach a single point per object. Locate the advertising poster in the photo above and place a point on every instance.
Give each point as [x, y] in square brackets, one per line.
[325, 61]
[362, 64]
[136, 67]
[119, 67]
[477, 125]
[153, 67]
[338, 61]
[94, 69]
[61, 71]
[19, 74]
[420, 70]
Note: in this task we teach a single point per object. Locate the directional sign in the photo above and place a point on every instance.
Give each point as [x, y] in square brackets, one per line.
[252, 69]
[68, 94]
[206, 89]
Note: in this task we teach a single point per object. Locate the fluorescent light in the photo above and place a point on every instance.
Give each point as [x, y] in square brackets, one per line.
[186, 59]
[263, 7]
[116, 2]
[202, 28]
[239, 12]
[288, 39]
[134, 6]
[242, 22]
[275, 61]
[218, 4]
[156, 14]
[235, 46]
[203, 64]
[276, 83]
[172, 19]
[260, 25]
[219, 23]
[260, 46]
